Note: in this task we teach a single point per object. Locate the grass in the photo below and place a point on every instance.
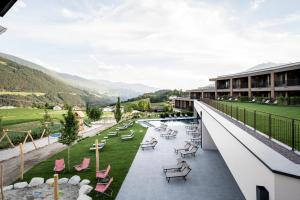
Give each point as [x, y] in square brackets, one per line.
[21, 115]
[279, 126]
[116, 153]
[287, 111]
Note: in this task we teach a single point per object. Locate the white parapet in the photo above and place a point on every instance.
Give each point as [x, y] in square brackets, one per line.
[251, 162]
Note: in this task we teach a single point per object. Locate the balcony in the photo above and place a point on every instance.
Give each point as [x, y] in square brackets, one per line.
[223, 84]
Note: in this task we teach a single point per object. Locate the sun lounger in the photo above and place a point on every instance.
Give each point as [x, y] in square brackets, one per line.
[101, 145]
[83, 166]
[171, 135]
[169, 131]
[59, 165]
[186, 147]
[113, 134]
[178, 174]
[103, 174]
[177, 166]
[149, 144]
[192, 151]
[128, 137]
[103, 188]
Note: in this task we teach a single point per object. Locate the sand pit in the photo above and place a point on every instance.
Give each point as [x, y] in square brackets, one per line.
[44, 191]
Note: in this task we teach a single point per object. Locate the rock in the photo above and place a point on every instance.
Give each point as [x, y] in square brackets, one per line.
[84, 197]
[9, 187]
[84, 182]
[63, 181]
[74, 180]
[50, 181]
[20, 185]
[85, 189]
[36, 181]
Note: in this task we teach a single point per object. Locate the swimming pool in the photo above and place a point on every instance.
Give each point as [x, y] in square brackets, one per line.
[170, 122]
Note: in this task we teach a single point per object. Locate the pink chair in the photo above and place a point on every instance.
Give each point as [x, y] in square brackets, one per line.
[103, 173]
[103, 188]
[84, 165]
[59, 165]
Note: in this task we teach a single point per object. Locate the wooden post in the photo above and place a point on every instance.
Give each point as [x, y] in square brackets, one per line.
[1, 182]
[97, 155]
[55, 186]
[29, 133]
[21, 161]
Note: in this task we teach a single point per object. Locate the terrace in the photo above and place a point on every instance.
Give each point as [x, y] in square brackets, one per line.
[209, 179]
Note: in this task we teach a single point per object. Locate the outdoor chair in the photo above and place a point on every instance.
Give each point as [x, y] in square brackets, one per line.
[186, 147]
[103, 188]
[162, 127]
[84, 165]
[178, 174]
[113, 134]
[149, 144]
[168, 132]
[192, 151]
[172, 135]
[103, 174]
[59, 165]
[177, 166]
[101, 145]
[128, 137]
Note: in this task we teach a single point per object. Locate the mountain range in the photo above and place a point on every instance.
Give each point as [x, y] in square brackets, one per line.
[20, 75]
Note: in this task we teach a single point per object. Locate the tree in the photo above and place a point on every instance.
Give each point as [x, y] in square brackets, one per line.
[46, 121]
[95, 113]
[69, 132]
[118, 113]
[88, 108]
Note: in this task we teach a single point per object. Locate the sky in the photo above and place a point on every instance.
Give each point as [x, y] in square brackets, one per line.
[160, 43]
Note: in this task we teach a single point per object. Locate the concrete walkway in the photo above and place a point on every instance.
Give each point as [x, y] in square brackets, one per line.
[33, 157]
[209, 179]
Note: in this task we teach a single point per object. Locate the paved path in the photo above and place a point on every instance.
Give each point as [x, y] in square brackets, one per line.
[210, 178]
[33, 157]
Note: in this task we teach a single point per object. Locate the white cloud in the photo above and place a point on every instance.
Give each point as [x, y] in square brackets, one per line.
[256, 3]
[170, 43]
[19, 5]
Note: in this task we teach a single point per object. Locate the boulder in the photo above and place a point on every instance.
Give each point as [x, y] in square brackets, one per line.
[50, 181]
[9, 187]
[20, 185]
[74, 180]
[84, 182]
[84, 197]
[63, 181]
[36, 181]
[85, 189]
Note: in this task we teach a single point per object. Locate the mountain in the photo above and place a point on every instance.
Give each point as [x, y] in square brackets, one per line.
[263, 66]
[103, 87]
[22, 86]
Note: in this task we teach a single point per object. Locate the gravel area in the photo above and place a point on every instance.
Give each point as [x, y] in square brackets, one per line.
[44, 191]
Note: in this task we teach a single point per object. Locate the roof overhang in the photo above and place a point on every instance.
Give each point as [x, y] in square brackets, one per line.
[5, 5]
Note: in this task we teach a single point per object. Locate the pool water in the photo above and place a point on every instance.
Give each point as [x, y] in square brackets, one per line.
[56, 135]
[157, 123]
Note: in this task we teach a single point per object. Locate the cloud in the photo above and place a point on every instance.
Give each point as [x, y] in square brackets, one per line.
[170, 43]
[256, 3]
[19, 5]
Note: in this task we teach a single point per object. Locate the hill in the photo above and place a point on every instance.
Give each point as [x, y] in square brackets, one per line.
[21, 85]
[105, 88]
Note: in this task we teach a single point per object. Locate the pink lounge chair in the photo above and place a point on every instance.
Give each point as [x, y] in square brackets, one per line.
[103, 173]
[59, 165]
[103, 188]
[84, 165]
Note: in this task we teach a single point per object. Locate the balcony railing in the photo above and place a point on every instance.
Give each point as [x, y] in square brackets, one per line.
[222, 87]
[293, 82]
[284, 129]
[261, 84]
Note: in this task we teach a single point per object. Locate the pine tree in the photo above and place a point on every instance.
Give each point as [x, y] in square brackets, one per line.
[69, 132]
[118, 114]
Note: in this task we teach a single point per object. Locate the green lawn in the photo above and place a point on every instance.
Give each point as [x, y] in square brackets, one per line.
[287, 111]
[21, 115]
[116, 153]
[279, 125]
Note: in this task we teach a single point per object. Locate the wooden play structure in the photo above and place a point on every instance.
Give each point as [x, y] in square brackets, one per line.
[97, 155]
[28, 135]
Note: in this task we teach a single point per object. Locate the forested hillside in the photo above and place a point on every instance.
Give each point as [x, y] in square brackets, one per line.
[21, 85]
